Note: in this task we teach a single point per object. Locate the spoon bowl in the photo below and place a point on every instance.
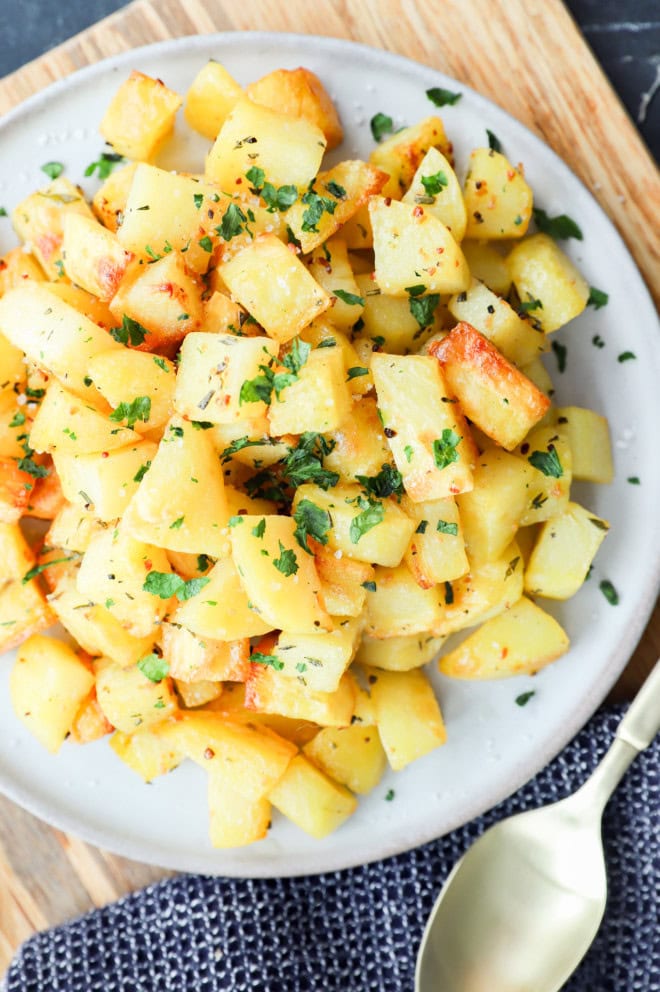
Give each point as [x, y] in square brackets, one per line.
[521, 908]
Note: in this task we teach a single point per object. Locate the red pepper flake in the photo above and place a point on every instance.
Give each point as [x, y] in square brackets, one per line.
[105, 454]
[504, 653]
[510, 174]
[148, 564]
[209, 753]
[166, 287]
[388, 201]
[418, 212]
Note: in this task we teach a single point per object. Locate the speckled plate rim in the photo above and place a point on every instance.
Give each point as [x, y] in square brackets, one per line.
[322, 857]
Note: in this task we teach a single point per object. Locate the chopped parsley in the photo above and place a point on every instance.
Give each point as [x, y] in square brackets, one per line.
[560, 351]
[560, 227]
[597, 298]
[3, 212]
[435, 184]
[270, 660]
[370, 586]
[494, 142]
[137, 409]
[304, 463]
[168, 584]
[597, 341]
[547, 462]
[355, 372]
[372, 513]
[421, 527]
[142, 471]
[261, 388]
[528, 305]
[27, 464]
[104, 165]
[388, 482]
[336, 190]
[206, 243]
[316, 207]
[160, 362]
[445, 527]
[38, 569]
[445, 448]
[449, 594]
[609, 592]
[626, 356]
[389, 795]
[381, 124]
[423, 308]
[311, 521]
[154, 668]
[130, 332]
[235, 520]
[239, 444]
[443, 98]
[52, 169]
[234, 222]
[633, 480]
[525, 697]
[18, 419]
[287, 563]
[408, 452]
[351, 298]
[260, 529]
[176, 524]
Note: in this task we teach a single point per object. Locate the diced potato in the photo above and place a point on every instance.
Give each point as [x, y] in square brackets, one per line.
[282, 584]
[106, 480]
[67, 424]
[489, 588]
[163, 298]
[221, 610]
[487, 265]
[352, 756]
[319, 660]
[129, 699]
[17, 267]
[140, 116]
[212, 95]
[251, 275]
[212, 369]
[541, 271]
[24, 610]
[408, 717]
[311, 800]
[517, 339]
[15, 489]
[491, 512]
[46, 499]
[267, 692]
[235, 821]
[288, 149]
[222, 315]
[520, 641]
[413, 248]
[322, 330]
[53, 335]
[47, 685]
[389, 320]
[114, 570]
[195, 694]
[360, 446]
[399, 606]
[38, 221]
[357, 232]
[436, 552]
[87, 304]
[428, 436]
[497, 198]
[537, 372]
[192, 658]
[588, 437]
[123, 373]
[369, 532]
[563, 553]
[332, 270]
[493, 393]
[73, 528]
[95, 628]
[251, 760]
[89, 723]
[401, 154]
[398, 654]
[547, 449]
[109, 202]
[319, 400]
[191, 515]
[343, 582]
[15, 553]
[146, 751]
[232, 705]
[343, 191]
[299, 93]
[441, 194]
[93, 257]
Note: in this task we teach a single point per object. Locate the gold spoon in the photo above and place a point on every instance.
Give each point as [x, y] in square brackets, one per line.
[521, 908]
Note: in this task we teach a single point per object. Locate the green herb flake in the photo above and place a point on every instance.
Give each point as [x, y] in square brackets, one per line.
[206, 244]
[421, 527]
[311, 521]
[234, 222]
[142, 471]
[52, 169]
[597, 298]
[316, 207]
[369, 586]
[176, 524]
[435, 184]
[372, 513]
[18, 419]
[168, 584]
[104, 165]
[381, 124]
[494, 142]
[445, 448]
[445, 527]
[528, 305]
[388, 482]
[38, 569]
[416, 290]
[408, 452]
[336, 190]
[27, 464]
[270, 660]
[626, 356]
[525, 697]
[547, 462]
[597, 341]
[278, 199]
[137, 409]
[560, 227]
[351, 298]
[198, 199]
[3, 212]
[153, 667]
[130, 332]
[423, 308]
[560, 351]
[355, 372]
[389, 795]
[634, 480]
[257, 177]
[287, 563]
[260, 529]
[443, 98]
[609, 592]
[304, 463]
[160, 362]
[449, 594]
[235, 521]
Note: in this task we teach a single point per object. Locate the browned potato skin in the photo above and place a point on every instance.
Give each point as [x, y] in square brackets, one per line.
[299, 93]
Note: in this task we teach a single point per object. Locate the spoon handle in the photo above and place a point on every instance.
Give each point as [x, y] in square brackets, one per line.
[635, 732]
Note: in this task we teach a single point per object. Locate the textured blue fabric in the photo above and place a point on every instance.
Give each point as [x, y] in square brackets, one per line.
[356, 930]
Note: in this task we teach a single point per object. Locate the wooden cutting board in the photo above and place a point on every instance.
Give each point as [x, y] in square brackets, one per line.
[526, 55]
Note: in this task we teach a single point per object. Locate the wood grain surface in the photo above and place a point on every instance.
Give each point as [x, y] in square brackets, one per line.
[527, 56]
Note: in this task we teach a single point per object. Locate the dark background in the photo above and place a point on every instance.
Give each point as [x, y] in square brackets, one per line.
[624, 34]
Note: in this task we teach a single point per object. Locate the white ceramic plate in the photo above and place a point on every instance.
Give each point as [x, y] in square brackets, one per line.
[494, 745]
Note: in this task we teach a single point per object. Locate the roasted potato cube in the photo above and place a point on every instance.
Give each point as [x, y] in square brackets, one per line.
[360, 446]
[332, 270]
[109, 202]
[146, 751]
[343, 581]
[299, 93]
[321, 333]
[408, 716]
[192, 658]
[497, 198]
[319, 660]
[588, 437]
[24, 610]
[288, 149]
[389, 320]
[87, 304]
[47, 685]
[15, 489]
[93, 257]
[489, 588]
[129, 699]
[541, 271]
[232, 705]
[126, 372]
[195, 694]
[235, 821]
[520, 641]
[17, 267]
[250, 276]
[491, 512]
[311, 800]
[73, 528]
[38, 221]
[221, 610]
[398, 654]
[493, 393]
[413, 248]
[401, 155]
[67, 424]
[399, 606]
[436, 552]
[487, 265]
[140, 116]
[563, 553]
[428, 436]
[267, 692]
[15, 553]
[212, 95]
[104, 480]
[319, 400]
[436, 187]
[518, 340]
[89, 723]
[547, 450]
[352, 756]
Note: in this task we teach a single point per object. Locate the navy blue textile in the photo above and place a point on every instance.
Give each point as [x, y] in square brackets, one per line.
[356, 930]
